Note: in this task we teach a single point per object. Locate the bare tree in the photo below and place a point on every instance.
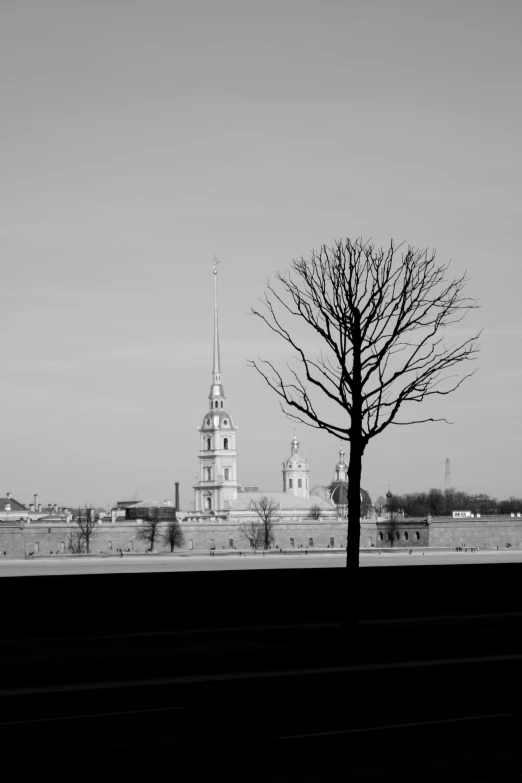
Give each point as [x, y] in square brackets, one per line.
[253, 532]
[266, 509]
[80, 540]
[149, 529]
[395, 515]
[76, 543]
[380, 323]
[315, 512]
[380, 504]
[173, 535]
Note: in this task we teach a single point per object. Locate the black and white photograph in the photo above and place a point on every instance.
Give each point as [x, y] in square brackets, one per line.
[260, 397]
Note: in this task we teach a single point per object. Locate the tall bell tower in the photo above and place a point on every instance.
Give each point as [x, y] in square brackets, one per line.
[217, 456]
[295, 473]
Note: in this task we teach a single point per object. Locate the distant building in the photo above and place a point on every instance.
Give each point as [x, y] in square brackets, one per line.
[144, 508]
[11, 509]
[217, 484]
[295, 473]
[337, 491]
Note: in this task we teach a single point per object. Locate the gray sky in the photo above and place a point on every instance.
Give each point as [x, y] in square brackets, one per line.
[140, 137]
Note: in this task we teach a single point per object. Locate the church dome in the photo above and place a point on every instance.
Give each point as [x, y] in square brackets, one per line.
[339, 494]
[295, 461]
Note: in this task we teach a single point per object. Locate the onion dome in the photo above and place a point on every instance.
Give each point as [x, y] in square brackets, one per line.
[338, 491]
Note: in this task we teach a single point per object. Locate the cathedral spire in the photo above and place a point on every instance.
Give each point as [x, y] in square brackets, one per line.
[217, 484]
[216, 369]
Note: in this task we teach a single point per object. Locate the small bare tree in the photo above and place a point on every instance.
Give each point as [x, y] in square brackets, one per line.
[266, 509]
[395, 515]
[149, 529]
[76, 543]
[173, 535]
[315, 512]
[380, 323]
[253, 532]
[80, 541]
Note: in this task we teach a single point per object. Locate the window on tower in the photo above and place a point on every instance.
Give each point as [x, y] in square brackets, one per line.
[290, 483]
[225, 443]
[208, 475]
[221, 403]
[209, 445]
[299, 483]
[227, 474]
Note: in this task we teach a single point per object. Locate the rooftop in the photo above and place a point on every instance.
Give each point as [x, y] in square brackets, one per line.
[287, 501]
[10, 504]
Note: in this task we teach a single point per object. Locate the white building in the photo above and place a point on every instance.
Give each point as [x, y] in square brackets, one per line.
[217, 484]
[295, 473]
[217, 491]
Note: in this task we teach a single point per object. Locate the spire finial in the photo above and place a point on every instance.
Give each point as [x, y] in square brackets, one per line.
[216, 367]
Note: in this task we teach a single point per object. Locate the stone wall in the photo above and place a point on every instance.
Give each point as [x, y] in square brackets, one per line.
[485, 533]
[403, 534]
[19, 539]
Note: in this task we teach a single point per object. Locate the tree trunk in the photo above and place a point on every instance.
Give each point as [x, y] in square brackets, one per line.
[351, 604]
[354, 508]
[357, 446]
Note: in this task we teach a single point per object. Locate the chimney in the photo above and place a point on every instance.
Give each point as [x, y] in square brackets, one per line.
[55, 507]
[9, 497]
[31, 507]
[36, 501]
[39, 507]
[177, 495]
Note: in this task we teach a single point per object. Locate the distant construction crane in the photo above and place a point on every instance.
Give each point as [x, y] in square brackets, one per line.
[447, 475]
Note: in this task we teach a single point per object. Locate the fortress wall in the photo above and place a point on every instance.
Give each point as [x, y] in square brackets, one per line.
[483, 533]
[406, 530]
[11, 541]
[20, 541]
[55, 538]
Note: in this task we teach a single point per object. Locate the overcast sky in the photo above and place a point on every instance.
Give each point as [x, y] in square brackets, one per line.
[141, 137]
